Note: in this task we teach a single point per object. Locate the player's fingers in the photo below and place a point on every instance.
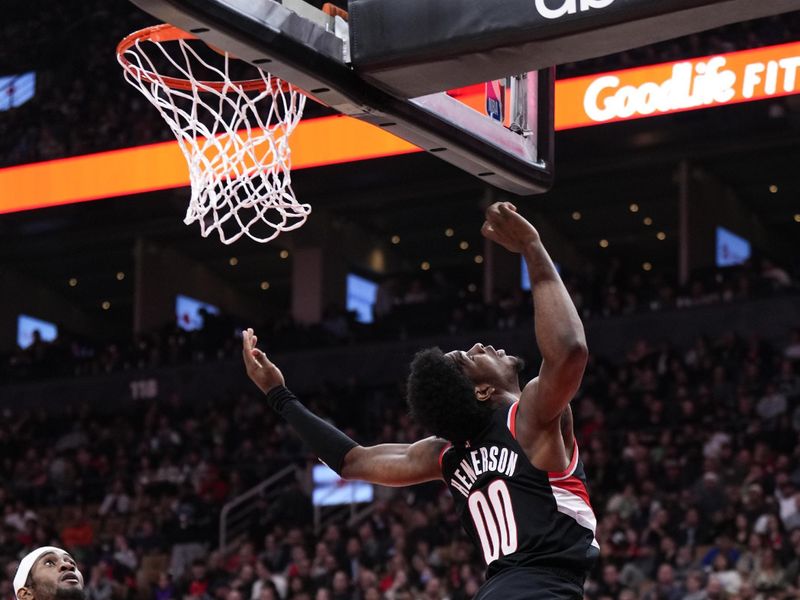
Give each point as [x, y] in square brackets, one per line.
[493, 220]
[255, 358]
[506, 209]
[493, 212]
[501, 214]
[250, 361]
[490, 233]
[261, 358]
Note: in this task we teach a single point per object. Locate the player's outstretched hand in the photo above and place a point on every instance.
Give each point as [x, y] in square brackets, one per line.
[509, 229]
[259, 368]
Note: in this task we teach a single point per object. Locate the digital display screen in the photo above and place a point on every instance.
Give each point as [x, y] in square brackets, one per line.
[732, 249]
[187, 312]
[16, 90]
[27, 325]
[332, 490]
[361, 294]
[525, 280]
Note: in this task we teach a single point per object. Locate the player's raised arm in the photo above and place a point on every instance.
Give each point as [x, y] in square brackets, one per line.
[559, 331]
[386, 464]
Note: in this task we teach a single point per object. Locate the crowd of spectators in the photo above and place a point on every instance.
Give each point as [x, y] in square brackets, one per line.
[691, 453]
[406, 307]
[82, 104]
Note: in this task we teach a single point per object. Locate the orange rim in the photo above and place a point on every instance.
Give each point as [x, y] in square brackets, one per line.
[169, 33]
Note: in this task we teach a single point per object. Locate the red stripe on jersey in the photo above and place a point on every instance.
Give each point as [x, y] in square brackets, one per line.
[570, 469]
[512, 419]
[441, 454]
[574, 486]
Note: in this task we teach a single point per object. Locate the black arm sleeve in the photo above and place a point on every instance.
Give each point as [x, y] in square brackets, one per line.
[327, 442]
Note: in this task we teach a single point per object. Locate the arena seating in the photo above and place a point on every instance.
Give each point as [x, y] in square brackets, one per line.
[691, 450]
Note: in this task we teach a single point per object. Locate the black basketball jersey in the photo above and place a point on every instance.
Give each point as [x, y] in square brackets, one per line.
[516, 514]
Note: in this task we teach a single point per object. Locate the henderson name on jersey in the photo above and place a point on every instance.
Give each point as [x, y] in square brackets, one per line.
[517, 514]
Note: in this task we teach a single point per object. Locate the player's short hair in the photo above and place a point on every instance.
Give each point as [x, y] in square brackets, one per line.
[442, 398]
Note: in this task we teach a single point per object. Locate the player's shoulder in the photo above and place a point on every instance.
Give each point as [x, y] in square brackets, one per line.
[504, 419]
[430, 447]
[499, 427]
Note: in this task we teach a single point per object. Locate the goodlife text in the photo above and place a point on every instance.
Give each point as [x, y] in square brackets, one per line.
[691, 85]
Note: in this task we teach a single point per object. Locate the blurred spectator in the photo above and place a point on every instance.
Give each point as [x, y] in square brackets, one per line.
[116, 501]
[79, 533]
[694, 586]
[164, 590]
[767, 578]
[99, 586]
[666, 587]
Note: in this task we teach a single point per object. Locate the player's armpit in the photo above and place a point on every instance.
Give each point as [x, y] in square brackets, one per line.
[545, 398]
[567, 429]
[395, 464]
[548, 442]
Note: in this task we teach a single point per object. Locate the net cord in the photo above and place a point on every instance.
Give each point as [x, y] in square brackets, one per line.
[239, 163]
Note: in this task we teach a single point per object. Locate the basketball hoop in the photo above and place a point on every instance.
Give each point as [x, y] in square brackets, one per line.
[233, 131]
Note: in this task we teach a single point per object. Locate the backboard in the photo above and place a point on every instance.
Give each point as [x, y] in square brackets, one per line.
[310, 48]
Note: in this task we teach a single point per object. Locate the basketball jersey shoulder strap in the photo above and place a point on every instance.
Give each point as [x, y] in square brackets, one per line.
[511, 424]
[511, 419]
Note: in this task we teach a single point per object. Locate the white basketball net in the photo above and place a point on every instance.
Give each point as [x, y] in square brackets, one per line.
[234, 135]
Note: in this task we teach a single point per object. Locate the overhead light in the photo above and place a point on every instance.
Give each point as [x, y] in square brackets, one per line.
[576, 216]
[478, 259]
[449, 232]
[604, 243]
[647, 221]
[797, 218]
[120, 275]
[464, 245]
[661, 236]
[264, 285]
[773, 189]
[284, 254]
[395, 239]
[106, 305]
[72, 282]
[472, 288]
[425, 266]
[647, 266]
[233, 261]
[634, 208]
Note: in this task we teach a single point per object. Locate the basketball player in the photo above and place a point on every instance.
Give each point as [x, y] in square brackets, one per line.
[507, 454]
[48, 573]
